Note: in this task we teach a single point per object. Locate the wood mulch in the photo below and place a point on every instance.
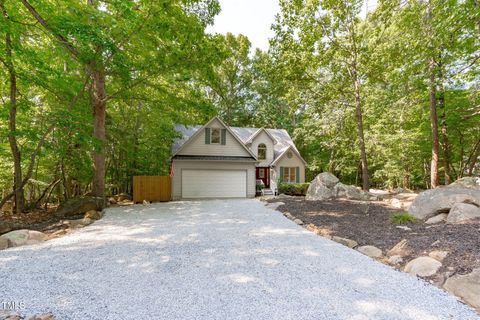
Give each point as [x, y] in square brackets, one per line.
[369, 223]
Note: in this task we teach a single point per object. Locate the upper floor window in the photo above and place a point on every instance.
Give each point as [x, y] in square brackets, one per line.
[262, 151]
[215, 135]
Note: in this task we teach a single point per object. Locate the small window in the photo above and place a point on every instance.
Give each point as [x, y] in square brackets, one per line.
[215, 135]
[262, 151]
[289, 175]
[261, 173]
[289, 154]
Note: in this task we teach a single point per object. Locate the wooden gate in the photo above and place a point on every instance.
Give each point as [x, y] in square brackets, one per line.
[152, 188]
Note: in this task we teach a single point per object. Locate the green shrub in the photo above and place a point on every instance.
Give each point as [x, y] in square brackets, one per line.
[293, 189]
[259, 187]
[402, 218]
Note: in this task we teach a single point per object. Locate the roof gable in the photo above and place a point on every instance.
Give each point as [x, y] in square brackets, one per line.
[190, 135]
[241, 134]
[259, 131]
[284, 152]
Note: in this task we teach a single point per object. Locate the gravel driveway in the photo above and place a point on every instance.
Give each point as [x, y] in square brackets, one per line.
[231, 259]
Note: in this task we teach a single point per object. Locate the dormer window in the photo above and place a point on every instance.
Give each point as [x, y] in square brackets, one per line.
[262, 151]
[215, 135]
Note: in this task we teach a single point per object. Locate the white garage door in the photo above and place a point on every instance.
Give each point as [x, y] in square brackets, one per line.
[214, 184]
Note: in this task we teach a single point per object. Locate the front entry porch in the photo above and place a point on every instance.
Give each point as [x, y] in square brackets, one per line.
[263, 173]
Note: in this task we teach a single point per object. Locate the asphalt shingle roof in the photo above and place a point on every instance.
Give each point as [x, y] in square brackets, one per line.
[280, 135]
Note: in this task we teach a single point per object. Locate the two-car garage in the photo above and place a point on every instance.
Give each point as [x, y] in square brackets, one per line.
[194, 179]
[213, 179]
[214, 183]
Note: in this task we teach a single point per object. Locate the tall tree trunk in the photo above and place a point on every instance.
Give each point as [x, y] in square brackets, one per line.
[98, 100]
[443, 123]
[434, 127]
[358, 105]
[360, 134]
[445, 145]
[432, 92]
[12, 121]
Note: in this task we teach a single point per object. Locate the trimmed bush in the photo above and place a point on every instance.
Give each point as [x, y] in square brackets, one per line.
[293, 189]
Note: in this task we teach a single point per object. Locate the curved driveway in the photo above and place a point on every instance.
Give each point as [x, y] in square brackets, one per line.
[231, 259]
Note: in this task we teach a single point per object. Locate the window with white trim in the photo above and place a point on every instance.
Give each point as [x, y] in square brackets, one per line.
[262, 151]
[290, 174]
[215, 135]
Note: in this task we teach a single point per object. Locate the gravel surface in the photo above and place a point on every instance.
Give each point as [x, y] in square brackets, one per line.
[232, 259]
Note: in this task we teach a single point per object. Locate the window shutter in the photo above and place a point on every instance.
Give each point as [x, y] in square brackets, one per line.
[224, 136]
[281, 174]
[297, 174]
[207, 135]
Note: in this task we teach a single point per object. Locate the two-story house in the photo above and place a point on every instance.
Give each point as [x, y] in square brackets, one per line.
[218, 161]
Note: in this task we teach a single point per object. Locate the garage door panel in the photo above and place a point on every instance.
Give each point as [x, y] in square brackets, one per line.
[214, 183]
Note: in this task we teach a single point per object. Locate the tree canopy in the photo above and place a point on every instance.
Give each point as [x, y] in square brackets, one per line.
[91, 90]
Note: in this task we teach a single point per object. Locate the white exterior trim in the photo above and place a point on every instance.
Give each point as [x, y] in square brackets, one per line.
[214, 183]
[285, 152]
[253, 136]
[205, 126]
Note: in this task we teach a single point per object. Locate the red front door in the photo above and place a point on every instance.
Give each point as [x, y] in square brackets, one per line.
[263, 173]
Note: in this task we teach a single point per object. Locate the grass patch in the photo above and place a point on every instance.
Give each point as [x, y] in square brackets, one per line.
[402, 218]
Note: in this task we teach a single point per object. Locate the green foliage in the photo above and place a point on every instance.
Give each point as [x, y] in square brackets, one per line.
[162, 68]
[402, 218]
[293, 189]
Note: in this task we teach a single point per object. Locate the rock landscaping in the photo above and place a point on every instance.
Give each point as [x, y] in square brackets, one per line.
[460, 201]
[326, 186]
[444, 249]
[41, 225]
[42, 230]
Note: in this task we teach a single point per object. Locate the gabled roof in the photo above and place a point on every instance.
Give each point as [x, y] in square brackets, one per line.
[244, 135]
[253, 136]
[194, 131]
[284, 152]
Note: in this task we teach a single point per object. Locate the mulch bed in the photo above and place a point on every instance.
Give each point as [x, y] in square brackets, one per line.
[369, 223]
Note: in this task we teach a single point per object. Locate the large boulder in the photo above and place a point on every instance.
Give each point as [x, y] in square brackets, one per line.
[466, 182]
[321, 188]
[79, 206]
[441, 200]
[326, 186]
[466, 287]
[319, 192]
[352, 193]
[22, 237]
[461, 212]
[326, 179]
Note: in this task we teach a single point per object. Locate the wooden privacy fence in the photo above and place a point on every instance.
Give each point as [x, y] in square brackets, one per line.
[152, 188]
